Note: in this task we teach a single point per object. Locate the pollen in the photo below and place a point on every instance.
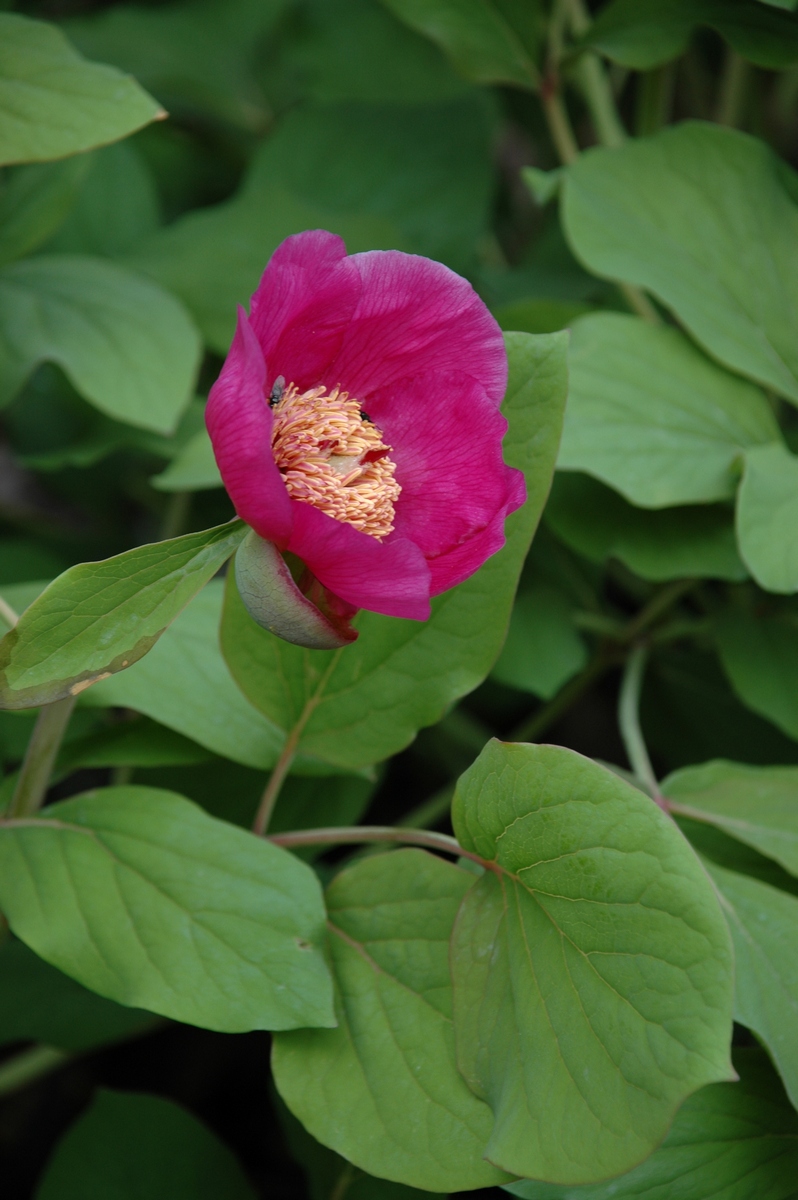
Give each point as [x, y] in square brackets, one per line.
[333, 456]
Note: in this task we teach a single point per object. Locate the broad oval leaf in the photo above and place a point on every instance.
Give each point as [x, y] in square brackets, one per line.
[764, 926]
[767, 517]
[127, 1146]
[184, 684]
[383, 1088]
[54, 103]
[543, 648]
[127, 345]
[356, 706]
[98, 618]
[657, 544]
[141, 896]
[654, 418]
[488, 42]
[757, 805]
[648, 213]
[591, 963]
[760, 657]
[730, 1140]
[35, 201]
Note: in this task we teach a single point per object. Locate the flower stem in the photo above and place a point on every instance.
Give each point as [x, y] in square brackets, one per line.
[356, 834]
[28, 1066]
[629, 722]
[37, 766]
[733, 85]
[7, 613]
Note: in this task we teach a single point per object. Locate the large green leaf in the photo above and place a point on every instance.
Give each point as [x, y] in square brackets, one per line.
[764, 928]
[54, 103]
[760, 657]
[401, 177]
[658, 544]
[117, 205]
[130, 1146]
[731, 1140]
[141, 896]
[767, 517]
[648, 213]
[383, 1088]
[127, 345]
[98, 618]
[193, 470]
[653, 417]
[195, 55]
[39, 1003]
[592, 966]
[489, 41]
[646, 33]
[758, 805]
[543, 648]
[359, 705]
[35, 201]
[184, 684]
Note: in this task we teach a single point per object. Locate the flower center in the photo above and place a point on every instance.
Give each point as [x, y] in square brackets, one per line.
[332, 456]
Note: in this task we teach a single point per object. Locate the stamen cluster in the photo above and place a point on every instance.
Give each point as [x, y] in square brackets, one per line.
[332, 456]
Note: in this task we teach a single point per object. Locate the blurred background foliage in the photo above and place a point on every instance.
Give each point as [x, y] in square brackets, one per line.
[348, 115]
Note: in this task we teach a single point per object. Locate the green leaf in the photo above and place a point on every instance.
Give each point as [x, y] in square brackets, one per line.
[757, 805]
[184, 684]
[361, 704]
[657, 544]
[35, 201]
[98, 618]
[592, 966]
[395, 177]
[128, 1146]
[40, 1004]
[489, 41]
[54, 103]
[730, 1140]
[646, 33]
[131, 743]
[197, 57]
[767, 517]
[760, 657]
[116, 208]
[652, 417]
[648, 213]
[538, 316]
[141, 896]
[126, 345]
[193, 470]
[764, 928]
[383, 1088]
[543, 649]
[356, 50]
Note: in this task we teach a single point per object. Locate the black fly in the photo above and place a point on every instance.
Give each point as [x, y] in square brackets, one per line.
[365, 417]
[276, 394]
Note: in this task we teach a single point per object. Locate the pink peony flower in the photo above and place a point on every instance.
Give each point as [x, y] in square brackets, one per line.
[356, 422]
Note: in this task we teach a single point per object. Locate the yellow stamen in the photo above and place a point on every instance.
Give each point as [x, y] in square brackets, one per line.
[320, 443]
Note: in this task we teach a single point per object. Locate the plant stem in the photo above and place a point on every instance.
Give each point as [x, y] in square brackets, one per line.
[7, 613]
[659, 603]
[639, 303]
[533, 726]
[654, 97]
[733, 84]
[558, 121]
[28, 1066]
[356, 834]
[595, 85]
[629, 722]
[175, 518]
[344, 1182]
[37, 766]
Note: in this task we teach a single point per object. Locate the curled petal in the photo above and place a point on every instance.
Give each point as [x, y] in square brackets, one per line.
[303, 306]
[446, 438]
[239, 422]
[390, 577]
[413, 316]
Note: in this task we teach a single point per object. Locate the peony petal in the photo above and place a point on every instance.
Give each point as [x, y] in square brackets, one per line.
[390, 577]
[446, 439]
[413, 316]
[458, 564]
[239, 422]
[303, 306]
